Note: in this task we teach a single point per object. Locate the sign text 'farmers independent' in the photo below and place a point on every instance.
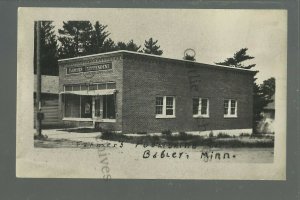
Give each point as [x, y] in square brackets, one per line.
[99, 67]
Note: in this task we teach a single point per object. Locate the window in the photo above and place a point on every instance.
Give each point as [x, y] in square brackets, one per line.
[165, 107]
[94, 86]
[230, 108]
[200, 107]
[109, 107]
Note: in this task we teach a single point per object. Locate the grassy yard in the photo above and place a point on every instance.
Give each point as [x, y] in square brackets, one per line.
[183, 139]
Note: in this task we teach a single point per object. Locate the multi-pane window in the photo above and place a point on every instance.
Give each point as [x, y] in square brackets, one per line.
[159, 105]
[169, 105]
[230, 108]
[165, 107]
[200, 107]
[94, 86]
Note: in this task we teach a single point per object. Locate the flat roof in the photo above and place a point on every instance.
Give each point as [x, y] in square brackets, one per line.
[152, 55]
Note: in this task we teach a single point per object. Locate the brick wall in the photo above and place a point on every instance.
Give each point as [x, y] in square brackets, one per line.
[147, 77]
[99, 77]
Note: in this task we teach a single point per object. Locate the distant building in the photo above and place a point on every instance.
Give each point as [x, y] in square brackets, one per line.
[49, 101]
[134, 92]
[267, 123]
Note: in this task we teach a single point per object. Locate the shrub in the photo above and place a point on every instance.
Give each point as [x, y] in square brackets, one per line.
[244, 135]
[211, 134]
[167, 132]
[183, 135]
[223, 135]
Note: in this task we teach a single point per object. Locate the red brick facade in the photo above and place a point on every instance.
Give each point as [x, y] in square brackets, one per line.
[140, 78]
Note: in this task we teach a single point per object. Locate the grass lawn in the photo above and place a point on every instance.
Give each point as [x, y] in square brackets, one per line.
[183, 139]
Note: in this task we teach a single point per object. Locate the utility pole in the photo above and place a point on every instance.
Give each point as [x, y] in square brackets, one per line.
[38, 77]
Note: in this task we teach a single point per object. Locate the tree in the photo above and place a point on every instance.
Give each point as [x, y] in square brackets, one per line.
[237, 60]
[262, 94]
[48, 42]
[98, 39]
[268, 88]
[75, 38]
[151, 47]
[130, 46]
[109, 45]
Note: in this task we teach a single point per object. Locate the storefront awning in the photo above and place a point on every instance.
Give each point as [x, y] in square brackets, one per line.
[91, 92]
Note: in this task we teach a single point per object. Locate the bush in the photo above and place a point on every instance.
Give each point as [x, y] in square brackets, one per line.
[167, 132]
[211, 134]
[223, 135]
[183, 135]
[244, 135]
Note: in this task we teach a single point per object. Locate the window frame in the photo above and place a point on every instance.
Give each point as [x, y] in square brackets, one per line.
[164, 108]
[229, 115]
[199, 114]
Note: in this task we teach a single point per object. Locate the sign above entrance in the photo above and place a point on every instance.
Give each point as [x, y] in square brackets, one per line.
[92, 68]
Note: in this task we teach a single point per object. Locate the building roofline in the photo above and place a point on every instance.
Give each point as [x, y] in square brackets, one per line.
[151, 55]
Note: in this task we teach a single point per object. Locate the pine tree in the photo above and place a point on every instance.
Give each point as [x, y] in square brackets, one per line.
[98, 38]
[75, 38]
[48, 42]
[151, 47]
[108, 45]
[130, 46]
[237, 59]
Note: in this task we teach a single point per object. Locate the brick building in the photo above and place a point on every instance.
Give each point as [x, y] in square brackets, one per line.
[134, 92]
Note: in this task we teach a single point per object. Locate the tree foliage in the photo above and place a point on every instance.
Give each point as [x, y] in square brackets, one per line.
[48, 49]
[151, 47]
[99, 43]
[129, 46]
[75, 38]
[262, 94]
[237, 60]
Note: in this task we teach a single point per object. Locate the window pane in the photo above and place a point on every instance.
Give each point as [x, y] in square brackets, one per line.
[86, 107]
[97, 106]
[232, 103]
[68, 87]
[158, 110]
[204, 104]
[111, 85]
[93, 87]
[169, 101]
[169, 112]
[109, 107]
[101, 86]
[203, 110]
[159, 101]
[226, 102]
[76, 87]
[232, 111]
[72, 105]
[83, 87]
[195, 106]
[225, 111]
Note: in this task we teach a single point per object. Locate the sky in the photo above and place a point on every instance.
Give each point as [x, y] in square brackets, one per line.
[214, 34]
